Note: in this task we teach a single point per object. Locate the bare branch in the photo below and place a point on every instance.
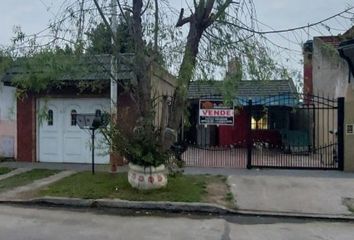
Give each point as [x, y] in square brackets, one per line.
[122, 12]
[106, 23]
[128, 9]
[147, 5]
[181, 21]
[195, 4]
[220, 11]
[156, 30]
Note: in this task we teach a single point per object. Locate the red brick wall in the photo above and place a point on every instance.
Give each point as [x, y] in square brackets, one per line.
[26, 129]
[237, 134]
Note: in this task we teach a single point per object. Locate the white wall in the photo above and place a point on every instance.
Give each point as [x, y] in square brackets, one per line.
[330, 72]
[8, 121]
[330, 80]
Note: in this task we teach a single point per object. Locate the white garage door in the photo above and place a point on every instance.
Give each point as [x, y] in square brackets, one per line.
[59, 137]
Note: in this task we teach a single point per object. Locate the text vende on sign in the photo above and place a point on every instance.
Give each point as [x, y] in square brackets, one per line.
[216, 112]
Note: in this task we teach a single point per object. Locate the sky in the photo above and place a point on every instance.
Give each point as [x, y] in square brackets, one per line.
[34, 15]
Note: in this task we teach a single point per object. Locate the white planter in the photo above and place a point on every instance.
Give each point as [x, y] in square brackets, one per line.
[146, 178]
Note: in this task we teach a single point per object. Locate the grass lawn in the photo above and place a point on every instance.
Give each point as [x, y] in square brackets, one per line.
[25, 178]
[185, 188]
[4, 170]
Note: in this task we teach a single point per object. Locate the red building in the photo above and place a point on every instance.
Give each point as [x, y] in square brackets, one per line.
[272, 102]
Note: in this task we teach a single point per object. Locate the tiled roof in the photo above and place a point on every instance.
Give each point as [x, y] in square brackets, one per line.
[244, 89]
[97, 67]
[204, 89]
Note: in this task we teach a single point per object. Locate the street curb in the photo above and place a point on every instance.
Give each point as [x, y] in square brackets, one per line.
[168, 207]
[172, 207]
[318, 216]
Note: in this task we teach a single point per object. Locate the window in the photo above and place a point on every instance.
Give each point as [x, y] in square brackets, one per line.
[50, 117]
[98, 113]
[73, 117]
[259, 120]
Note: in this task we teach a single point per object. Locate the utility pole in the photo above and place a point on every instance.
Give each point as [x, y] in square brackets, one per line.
[81, 24]
[114, 75]
[114, 88]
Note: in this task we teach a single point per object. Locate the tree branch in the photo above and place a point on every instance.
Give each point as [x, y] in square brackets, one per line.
[220, 11]
[181, 21]
[199, 10]
[106, 23]
[156, 30]
[146, 7]
[209, 7]
[123, 13]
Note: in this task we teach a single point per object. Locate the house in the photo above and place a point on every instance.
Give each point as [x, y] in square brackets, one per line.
[326, 76]
[47, 130]
[325, 72]
[346, 51]
[7, 121]
[272, 103]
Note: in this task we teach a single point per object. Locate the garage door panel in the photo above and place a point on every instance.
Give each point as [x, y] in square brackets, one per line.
[72, 144]
[49, 139]
[51, 152]
[73, 152]
[51, 144]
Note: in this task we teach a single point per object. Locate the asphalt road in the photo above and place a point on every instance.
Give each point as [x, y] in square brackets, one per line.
[23, 223]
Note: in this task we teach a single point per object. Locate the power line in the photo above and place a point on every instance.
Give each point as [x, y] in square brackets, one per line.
[289, 29]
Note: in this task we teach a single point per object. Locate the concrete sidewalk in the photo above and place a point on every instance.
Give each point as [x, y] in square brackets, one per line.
[59, 166]
[19, 193]
[284, 194]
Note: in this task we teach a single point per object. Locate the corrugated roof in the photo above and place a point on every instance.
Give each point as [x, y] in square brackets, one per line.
[244, 88]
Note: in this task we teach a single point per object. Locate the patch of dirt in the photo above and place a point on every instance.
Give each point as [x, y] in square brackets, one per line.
[28, 194]
[218, 192]
[349, 203]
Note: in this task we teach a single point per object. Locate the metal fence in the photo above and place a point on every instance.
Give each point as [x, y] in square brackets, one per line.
[294, 131]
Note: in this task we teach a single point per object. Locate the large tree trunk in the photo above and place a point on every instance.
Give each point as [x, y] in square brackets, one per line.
[141, 66]
[199, 21]
[185, 73]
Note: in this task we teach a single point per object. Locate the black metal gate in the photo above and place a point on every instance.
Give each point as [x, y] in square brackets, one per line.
[304, 132]
[290, 130]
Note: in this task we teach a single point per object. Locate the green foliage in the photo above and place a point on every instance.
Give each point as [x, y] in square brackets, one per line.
[4, 170]
[47, 69]
[141, 146]
[229, 197]
[329, 51]
[260, 65]
[53, 69]
[230, 84]
[100, 40]
[5, 62]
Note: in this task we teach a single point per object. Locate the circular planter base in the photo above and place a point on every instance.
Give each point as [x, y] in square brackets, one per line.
[146, 178]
